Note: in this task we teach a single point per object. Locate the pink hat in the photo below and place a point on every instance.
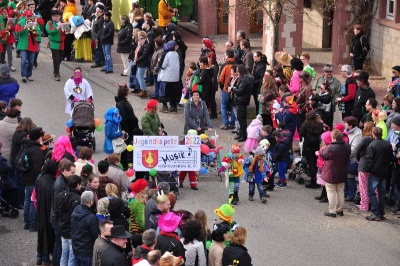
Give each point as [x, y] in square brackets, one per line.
[169, 221]
[340, 127]
[326, 137]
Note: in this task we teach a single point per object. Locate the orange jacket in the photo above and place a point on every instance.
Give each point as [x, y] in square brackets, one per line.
[225, 75]
[165, 14]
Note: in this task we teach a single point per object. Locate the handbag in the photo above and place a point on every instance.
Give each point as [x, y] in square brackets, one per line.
[320, 181]
[119, 144]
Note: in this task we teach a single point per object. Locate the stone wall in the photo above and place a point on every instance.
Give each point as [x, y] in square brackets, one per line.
[312, 25]
[385, 42]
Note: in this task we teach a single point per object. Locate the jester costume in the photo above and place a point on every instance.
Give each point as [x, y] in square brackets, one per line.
[233, 166]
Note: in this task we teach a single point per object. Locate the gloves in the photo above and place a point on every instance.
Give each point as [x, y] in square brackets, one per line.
[75, 99]
[89, 100]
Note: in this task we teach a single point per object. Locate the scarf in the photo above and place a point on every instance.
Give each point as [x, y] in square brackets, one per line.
[260, 167]
[174, 235]
[77, 80]
[140, 44]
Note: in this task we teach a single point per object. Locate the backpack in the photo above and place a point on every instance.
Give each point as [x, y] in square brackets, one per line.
[23, 162]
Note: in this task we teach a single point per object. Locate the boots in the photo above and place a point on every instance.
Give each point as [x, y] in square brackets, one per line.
[235, 198]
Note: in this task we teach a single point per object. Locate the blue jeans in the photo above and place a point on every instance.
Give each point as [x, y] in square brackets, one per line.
[225, 98]
[83, 261]
[208, 158]
[67, 255]
[133, 82]
[156, 86]
[140, 77]
[108, 58]
[282, 171]
[98, 55]
[29, 208]
[252, 187]
[377, 205]
[350, 188]
[27, 57]
[57, 245]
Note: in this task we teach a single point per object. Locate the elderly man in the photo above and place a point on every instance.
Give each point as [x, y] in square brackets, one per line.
[113, 254]
[84, 230]
[102, 241]
[333, 82]
[348, 92]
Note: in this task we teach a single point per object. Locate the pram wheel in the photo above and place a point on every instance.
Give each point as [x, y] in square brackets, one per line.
[292, 176]
[14, 213]
[300, 179]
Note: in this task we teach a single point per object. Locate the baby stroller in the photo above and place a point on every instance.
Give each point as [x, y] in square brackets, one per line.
[83, 124]
[300, 170]
[215, 165]
[7, 210]
[171, 178]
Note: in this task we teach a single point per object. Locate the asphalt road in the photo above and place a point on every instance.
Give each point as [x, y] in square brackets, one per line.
[289, 230]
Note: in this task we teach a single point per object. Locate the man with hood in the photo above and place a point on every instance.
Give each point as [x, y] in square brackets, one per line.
[84, 229]
[44, 200]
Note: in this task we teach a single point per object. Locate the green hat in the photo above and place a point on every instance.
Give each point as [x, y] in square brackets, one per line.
[225, 212]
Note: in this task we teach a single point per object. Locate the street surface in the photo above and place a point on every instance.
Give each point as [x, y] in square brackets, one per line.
[289, 230]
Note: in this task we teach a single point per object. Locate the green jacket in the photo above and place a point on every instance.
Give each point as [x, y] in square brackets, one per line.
[56, 36]
[27, 39]
[150, 124]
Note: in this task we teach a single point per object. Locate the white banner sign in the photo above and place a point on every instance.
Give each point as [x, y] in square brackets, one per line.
[164, 153]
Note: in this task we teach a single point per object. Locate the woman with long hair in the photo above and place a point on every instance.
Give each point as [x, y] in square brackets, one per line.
[205, 80]
[260, 65]
[361, 151]
[85, 157]
[63, 149]
[136, 15]
[310, 133]
[201, 217]
[194, 248]
[236, 251]
[269, 88]
[92, 184]
[279, 76]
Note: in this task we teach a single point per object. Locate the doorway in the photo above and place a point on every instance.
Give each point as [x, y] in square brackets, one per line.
[327, 26]
[223, 16]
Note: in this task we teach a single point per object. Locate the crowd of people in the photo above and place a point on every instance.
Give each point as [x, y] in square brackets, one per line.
[88, 213]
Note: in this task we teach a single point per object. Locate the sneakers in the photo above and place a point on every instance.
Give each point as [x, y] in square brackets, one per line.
[223, 127]
[57, 78]
[264, 200]
[282, 185]
[251, 199]
[164, 109]
[332, 215]
[373, 217]
[278, 183]
[12, 68]
[24, 80]
[30, 78]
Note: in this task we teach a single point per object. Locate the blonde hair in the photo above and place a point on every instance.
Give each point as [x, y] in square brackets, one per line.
[142, 34]
[111, 190]
[382, 115]
[201, 217]
[239, 236]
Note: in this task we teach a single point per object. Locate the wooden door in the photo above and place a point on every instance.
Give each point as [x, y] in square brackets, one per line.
[223, 16]
[256, 22]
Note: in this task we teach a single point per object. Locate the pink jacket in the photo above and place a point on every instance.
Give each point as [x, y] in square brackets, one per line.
[295, 82]
[254, 129]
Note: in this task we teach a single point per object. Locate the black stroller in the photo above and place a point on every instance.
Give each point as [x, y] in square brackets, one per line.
[7, 210]
[83, 124]
[300, 171]
[172, 179]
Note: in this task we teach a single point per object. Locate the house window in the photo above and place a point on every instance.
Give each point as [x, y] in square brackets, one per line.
[390, 9]
[307, 4]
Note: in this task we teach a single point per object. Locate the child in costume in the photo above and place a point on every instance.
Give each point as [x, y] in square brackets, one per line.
[281, 156]
[210, 156]
[326, 140]
[225, 213]
[233, 167]
[268, 184]
[257, 171]
[253, 134]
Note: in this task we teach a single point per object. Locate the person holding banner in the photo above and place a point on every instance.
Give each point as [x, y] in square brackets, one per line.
[196, 115]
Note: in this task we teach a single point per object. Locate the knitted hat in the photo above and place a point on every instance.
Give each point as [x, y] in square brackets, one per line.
[169, 221]
[340, 127]
[203, 136]
[225, 212]
[326, 137]
[139, 185]
[396, 120]
[151, 104]
[4, 69]
[36, 133]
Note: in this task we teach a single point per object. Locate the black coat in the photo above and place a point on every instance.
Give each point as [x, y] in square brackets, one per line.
[129, 120]
[125, 39]
[362, 97]
[361, 151]
[236, 252]
[171, 244]
[107, 32]
[378, 158]
[16, 143]
[258, 74]
[205, 79]
[44, 200]
[143, 55]
[311, 139]
[360, 41]
[84, 230]
[66, 202]
[59, 186]
[113, 255]
[150, 38]
[242, 91]
[36, 157]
